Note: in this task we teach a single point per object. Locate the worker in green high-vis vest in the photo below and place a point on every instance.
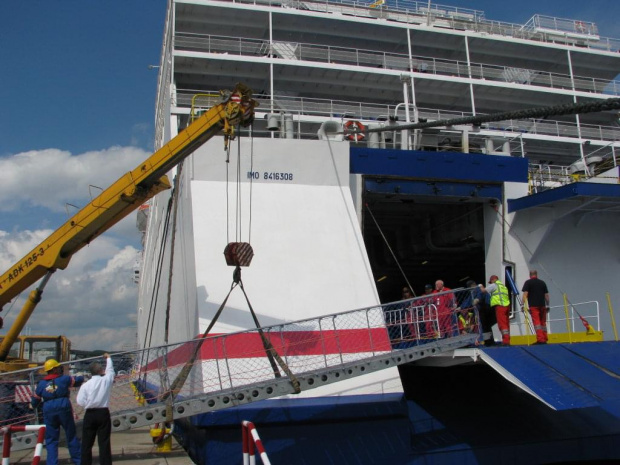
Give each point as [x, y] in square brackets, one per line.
[500, 301]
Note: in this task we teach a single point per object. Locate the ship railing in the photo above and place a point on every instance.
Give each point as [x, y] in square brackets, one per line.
[340, 109]
[543, 177]
[539, 28]
[600, 161]
[216, 372]
[164, 80]
[565, 27]
[393, 61]
[570, 318]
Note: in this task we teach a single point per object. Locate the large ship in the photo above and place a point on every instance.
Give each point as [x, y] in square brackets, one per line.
[343, 207]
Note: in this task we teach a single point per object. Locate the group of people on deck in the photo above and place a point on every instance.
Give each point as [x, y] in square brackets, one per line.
[438, 313]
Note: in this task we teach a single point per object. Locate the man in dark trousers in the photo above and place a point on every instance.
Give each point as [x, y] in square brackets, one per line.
[536, 294]
[94, 396]
[53, 392]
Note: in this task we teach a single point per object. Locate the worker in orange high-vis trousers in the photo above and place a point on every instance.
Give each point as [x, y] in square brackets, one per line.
[500, 301]
[536, 294]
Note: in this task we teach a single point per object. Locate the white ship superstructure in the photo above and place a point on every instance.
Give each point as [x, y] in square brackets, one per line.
[316, 65]
[340, 221]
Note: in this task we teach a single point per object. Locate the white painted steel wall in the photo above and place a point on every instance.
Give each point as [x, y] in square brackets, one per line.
[310, 259]
[574, 253]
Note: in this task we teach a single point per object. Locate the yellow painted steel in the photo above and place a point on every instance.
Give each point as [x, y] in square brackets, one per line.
[11, 336]
[526, 313]
[590, 335]
[559, 338]
[567, 317]
[193, 114]
[165, 443]
[22, 356]
[121, 198]
[611, 313]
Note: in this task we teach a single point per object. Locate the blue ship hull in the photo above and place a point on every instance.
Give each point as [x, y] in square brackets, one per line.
[466, 414]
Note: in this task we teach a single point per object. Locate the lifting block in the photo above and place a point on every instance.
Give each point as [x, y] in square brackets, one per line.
[238, 254]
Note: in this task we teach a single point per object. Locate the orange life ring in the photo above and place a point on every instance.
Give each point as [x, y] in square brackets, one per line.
[354, 131]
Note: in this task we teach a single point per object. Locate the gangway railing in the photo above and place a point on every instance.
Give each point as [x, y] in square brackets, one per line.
[238, 368]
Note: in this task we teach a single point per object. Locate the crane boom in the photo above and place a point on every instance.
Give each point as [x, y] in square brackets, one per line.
[117, 201]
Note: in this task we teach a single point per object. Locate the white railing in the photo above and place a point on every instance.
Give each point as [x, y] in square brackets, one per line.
[558, 322]
[418, 12]
[330, 108]
[377, 59]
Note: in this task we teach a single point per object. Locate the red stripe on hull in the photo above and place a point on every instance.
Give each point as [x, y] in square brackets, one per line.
[288, 343]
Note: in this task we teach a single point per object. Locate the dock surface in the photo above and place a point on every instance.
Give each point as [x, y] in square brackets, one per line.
[132, 447]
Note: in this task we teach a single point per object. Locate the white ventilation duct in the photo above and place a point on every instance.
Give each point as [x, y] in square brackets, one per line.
[330, 130]
[273, 122]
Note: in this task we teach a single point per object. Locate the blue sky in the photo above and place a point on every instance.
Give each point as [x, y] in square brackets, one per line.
[77, 109]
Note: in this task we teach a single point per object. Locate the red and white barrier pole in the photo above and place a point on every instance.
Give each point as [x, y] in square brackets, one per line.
[250, 439]
[39, 448]
[6, 446]
[245, 445]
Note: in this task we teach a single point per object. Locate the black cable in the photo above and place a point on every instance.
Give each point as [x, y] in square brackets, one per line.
[556, 110]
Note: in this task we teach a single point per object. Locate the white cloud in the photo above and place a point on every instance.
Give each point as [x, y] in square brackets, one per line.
[14, 246]
[93, 301]
[50, 178]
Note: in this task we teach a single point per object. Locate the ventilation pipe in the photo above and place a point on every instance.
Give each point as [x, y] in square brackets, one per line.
[404, 137]
[497, 146]
[376, 140]
[289, 132]
[465, 141]
[330, 130]
[273, 122]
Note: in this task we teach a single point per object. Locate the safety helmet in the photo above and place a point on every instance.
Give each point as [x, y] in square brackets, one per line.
[50, 364]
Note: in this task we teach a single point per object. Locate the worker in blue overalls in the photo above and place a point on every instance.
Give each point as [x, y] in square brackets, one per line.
[53, 392]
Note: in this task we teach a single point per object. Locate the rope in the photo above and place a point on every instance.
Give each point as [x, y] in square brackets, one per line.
[238, 190]
[269, 349]
[227, 200]
[391, 251]
[251, 183]
[540, 265]
[177, 384]
[273, 356]
[539, 112]
[238, 202]
[155, 292]
[175, 207]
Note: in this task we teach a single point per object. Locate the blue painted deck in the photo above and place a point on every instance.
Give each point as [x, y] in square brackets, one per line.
[567, 376]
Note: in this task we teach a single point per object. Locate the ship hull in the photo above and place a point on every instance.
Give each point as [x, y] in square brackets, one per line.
[460, 414]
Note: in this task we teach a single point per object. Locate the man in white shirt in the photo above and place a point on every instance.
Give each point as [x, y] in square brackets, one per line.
[94, 396]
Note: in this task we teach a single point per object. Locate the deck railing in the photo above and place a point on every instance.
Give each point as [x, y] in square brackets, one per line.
[583, 34]
[570, 319]
[393, 61]
[335, 109]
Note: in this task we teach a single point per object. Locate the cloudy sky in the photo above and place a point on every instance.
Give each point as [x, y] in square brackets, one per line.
[78, 102]
[77, 110]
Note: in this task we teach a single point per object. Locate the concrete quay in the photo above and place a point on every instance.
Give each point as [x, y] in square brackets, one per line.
[132, 447]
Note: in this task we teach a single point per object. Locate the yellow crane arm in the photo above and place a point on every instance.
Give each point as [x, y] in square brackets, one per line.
[124, 196]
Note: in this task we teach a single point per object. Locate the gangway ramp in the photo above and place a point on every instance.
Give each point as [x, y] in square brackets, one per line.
[233, 369]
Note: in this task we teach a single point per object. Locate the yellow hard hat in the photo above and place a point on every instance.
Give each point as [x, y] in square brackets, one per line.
[50, 364]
